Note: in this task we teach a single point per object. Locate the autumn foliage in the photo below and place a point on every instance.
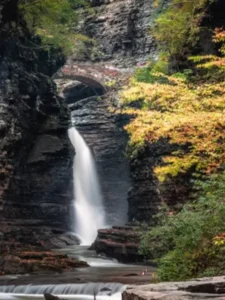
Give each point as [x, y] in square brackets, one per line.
[188, 111]
[185, 108]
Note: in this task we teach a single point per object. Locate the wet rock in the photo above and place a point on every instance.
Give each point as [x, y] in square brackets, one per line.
[11, 264]
[63, 240]
[34, 147]
[205, 288]
[50, 297]
[121, 243]
[37, 261]
[37, 236]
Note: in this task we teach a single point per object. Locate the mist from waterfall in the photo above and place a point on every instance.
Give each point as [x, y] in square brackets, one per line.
[89, 212]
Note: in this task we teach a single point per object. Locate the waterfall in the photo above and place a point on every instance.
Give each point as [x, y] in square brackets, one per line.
[89, 212]
[103, 291]
[65, 289]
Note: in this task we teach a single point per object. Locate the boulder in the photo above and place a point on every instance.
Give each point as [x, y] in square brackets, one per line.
[121, 243]
[50, 297]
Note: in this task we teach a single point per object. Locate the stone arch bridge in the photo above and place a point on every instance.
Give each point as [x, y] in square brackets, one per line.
[96, 76]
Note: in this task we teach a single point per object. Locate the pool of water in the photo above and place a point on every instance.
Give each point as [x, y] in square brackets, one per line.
[106, 278]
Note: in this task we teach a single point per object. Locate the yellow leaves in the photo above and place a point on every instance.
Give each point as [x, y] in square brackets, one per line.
[210, 62]
[189, 115]
[219, 37]
[134, 93]
[176, 95]
[174, 166]
[219, 240]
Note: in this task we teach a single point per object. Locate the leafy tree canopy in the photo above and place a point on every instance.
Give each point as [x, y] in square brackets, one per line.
[185, 108]
[54, 21]
[179, 25]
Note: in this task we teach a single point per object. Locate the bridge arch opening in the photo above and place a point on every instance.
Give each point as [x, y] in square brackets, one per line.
[74, 88]
[79, 91]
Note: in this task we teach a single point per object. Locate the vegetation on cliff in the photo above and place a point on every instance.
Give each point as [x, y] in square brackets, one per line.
[180, 98]
[177, 28]
[186, 108]
[192, 242]
[54, 22]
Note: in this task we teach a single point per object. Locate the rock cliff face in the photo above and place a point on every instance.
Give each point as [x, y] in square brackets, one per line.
[146, 192]
[121, 29]
[36, 160]
[34, 155]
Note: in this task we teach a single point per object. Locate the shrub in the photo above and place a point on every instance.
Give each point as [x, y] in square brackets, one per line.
[186, 114]
[179, 25]
[192, 242]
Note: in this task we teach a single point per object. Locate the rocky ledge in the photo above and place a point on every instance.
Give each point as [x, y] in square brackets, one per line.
[36, 261]
[32, 235]
[119, 242]
[27, 250]
[205, 288]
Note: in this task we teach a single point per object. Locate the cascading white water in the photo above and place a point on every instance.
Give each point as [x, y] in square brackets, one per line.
[89, 212]
[103, 291]
[65, 289]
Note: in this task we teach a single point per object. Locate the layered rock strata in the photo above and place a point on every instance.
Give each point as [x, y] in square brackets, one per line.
[121, 243]
[36, 261]
[121, 29]
[35, 154]
[205, 288]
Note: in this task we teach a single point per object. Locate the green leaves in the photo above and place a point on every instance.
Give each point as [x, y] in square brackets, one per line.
[179, 25]
[54, 21]
[191, 243]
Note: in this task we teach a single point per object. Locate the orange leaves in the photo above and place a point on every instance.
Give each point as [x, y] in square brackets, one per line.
[219, 37]
[219, 240]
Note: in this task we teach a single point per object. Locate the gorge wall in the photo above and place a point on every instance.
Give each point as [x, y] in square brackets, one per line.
[121, 32]
[121, 29]
[36, 158]
[33, 126]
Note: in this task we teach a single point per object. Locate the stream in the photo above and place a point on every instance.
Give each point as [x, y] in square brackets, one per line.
[105, 277]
